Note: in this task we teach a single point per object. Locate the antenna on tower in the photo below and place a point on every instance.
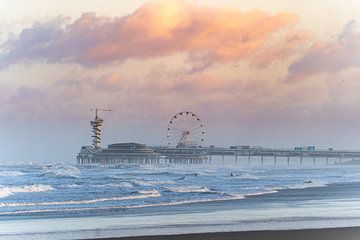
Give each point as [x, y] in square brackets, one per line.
[96, 125]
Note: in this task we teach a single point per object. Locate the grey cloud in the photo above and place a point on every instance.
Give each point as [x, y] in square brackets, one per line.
[340, 54]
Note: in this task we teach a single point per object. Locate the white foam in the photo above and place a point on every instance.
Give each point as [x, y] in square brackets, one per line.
[62, 171]
[187, 202]
[7, 191]
[189, 189]
[144, 194]
[120, 184]
[11, 173]
[303, 185]
[308, 184]
[151, 192]
[126, 207]
[260, 193]
[150, 183]
[72, 186]
[246, 176]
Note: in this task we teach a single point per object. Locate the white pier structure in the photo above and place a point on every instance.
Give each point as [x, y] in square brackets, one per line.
[186, 137]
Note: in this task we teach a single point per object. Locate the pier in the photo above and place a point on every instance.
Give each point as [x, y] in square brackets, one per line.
[186, 136]
[140, 154]
[258, 155]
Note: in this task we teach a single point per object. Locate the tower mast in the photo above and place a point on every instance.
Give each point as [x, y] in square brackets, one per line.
[96, 125]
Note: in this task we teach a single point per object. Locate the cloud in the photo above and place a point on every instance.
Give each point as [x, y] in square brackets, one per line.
[109, 83]
[25, 102]
[161, 28]
[229, 102]
[329, 57]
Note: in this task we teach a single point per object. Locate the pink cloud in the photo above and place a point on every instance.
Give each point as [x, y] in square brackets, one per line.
[109, 83]
[208, 35]
[329, 57]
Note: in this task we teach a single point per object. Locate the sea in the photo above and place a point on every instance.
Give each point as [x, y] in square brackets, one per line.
[66, 201]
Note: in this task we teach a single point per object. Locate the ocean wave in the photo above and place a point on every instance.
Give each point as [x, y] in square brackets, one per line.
[239, 197]
[245, 176]
[7, 191]
[11, 173]
[144, 194]
[117, 185]
[72, 186]
[260, 193]
[62, 171]
[189, 189]
[150, 183]
[151, 192]
[303, 185]
[308, 184]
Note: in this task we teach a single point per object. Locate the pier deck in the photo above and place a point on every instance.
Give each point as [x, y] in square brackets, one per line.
[336, 156]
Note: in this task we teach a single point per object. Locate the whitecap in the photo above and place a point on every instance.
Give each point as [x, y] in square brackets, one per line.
[72, 186]
[62, 171]
[150, 183]
[7, 191]
[143, 194]
[308, 184]
[124, 207]
[189, 189]
[117, 185]
[260, 193]
[11, 173]
[151, 192]
[303, 185]
[246, 176]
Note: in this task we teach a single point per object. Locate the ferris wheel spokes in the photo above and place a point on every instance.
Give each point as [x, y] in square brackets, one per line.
[185, 129]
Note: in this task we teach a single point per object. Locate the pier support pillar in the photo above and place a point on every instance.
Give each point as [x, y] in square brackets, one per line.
[327, 160]
[288, 160]
[223, 159]
[262, 159]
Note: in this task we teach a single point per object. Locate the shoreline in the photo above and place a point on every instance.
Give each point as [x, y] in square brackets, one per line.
[346, 233]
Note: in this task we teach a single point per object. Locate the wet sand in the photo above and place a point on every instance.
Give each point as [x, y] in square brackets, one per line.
[352, 233]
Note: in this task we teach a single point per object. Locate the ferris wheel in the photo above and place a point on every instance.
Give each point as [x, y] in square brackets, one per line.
[185, 129]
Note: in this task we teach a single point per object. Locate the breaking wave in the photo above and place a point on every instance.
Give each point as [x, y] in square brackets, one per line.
[116, 207]
[7, 191]
[303, 185]
[62, 171]
[150, 183]
[11, 173]
[72, 186]
[260, 193]
[189, 189]
[245, 176]
[143, 194]
[308, 184]
[117, 185]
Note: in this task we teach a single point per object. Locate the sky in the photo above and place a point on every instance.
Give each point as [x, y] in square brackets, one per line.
[262, 72]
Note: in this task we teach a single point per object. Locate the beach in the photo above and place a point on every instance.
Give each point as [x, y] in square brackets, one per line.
[310, 234]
